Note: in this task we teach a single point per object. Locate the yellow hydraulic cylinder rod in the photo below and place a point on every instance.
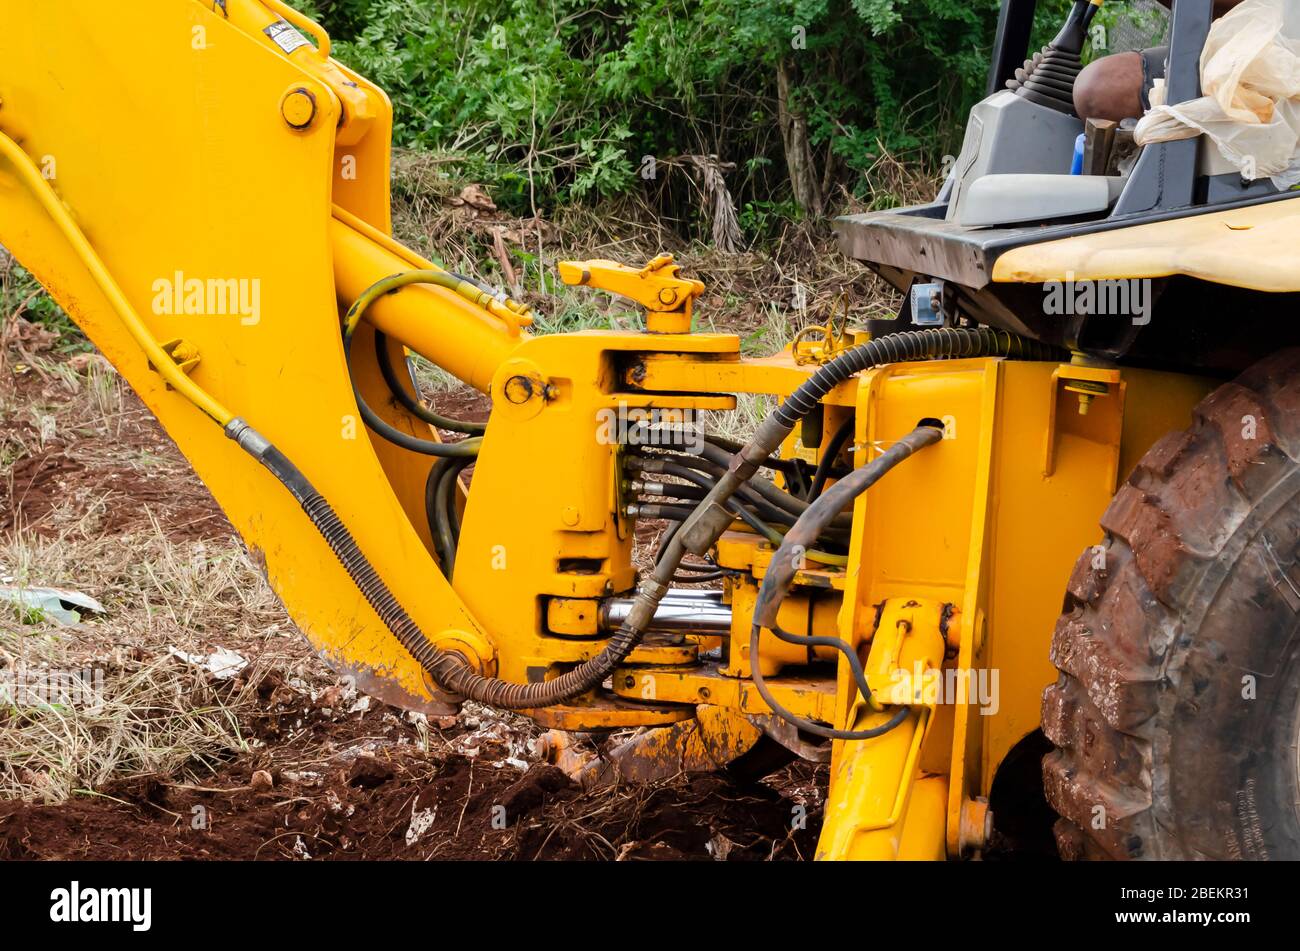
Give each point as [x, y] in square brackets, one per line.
[440, 325]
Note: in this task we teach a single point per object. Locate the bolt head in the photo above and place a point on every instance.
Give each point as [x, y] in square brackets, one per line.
[519, 389]
[298, 108]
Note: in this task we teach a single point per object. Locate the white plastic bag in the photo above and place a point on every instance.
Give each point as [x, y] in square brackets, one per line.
[1250, 75]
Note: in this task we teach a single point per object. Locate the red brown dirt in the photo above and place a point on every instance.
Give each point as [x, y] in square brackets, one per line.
[325, 786]
[125, 480]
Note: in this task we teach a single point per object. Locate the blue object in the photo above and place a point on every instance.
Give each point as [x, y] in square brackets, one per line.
[927, 310]
[1076, 167]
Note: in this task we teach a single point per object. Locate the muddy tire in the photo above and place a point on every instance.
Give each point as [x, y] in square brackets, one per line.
[1176, 713]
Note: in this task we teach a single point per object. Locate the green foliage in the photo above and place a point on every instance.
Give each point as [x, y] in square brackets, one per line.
[559, 100]
[21, 294]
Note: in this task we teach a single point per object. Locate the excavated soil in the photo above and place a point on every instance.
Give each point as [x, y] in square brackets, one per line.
[329, 775]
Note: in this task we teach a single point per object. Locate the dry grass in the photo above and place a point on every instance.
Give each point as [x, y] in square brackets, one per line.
[152, 714]
[764, 294]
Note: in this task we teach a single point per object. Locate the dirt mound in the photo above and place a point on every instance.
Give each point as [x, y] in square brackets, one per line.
[411, 807]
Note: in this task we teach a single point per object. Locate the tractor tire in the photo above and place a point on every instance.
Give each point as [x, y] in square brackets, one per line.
[1176, 713]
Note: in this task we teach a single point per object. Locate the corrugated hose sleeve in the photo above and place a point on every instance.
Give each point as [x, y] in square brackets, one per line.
[448, 669]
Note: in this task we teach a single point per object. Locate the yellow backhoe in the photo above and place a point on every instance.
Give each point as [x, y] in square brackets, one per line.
[871, 580]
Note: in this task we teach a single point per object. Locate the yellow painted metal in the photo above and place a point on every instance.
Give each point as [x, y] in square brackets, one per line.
[604, 713]
[714, 737]
[163, 189]
[807, 611]
[966, 524]
[435, 322]
[667, 297]
[811, 695]
[278, 27]
[1256, 247]
[869, 812]
[160, 196]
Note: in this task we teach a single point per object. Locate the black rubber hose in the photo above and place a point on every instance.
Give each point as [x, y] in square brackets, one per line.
[449, 669]
[757, 491]
[815, 640]
[715, 575]
[765, 508]
[687, 567]
[665, 539]
[412, 404]
[686, 572]
[446, 505]
[790, 555]
[711, 517]
[808, 725]
[731, 447]
[429, 447]
[939, 343]
[827, 461]
[675, 492]
[679, 513]
[439, 523]
[453, 510]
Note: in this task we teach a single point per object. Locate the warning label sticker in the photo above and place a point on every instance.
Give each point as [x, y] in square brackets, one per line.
[286, 37]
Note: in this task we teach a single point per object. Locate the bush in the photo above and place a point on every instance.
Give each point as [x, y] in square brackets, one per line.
[565, 100]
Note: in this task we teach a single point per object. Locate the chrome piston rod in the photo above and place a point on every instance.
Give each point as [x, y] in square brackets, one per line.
[682, 611]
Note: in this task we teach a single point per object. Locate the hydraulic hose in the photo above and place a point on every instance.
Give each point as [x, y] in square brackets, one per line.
[786, 562]
[428, 447]
[412, 404]
[448, 668]
[827, 462]
[772, 534]
[713, 462]
[791, 503]
[439, 520]
[520, 314]
[730, 447]
[702, 482]
[711, 517]
[446, 504]
[465, 288]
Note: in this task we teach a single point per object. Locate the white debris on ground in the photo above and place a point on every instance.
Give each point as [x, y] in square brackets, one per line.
[719, 847]
[222, 664]
[498, 729]
[421, 822]
[59, 605]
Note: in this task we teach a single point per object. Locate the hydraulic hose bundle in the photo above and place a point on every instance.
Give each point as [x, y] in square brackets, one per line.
[449, 670]
[786, 562]
[711, 517]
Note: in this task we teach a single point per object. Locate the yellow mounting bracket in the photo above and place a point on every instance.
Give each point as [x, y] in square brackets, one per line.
[184, 353]
[820, 343]
[907, 652]
[657, 287]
